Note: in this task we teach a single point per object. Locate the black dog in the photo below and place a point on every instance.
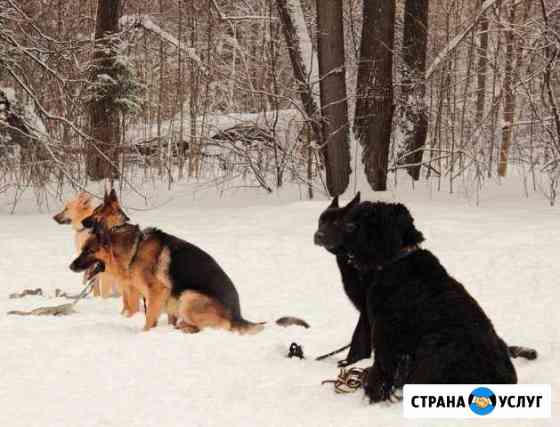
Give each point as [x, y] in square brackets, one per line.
[376, 250]
[331, 236]
[417, 312]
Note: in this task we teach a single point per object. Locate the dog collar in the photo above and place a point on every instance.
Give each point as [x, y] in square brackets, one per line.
[403, 253]
[117, 227]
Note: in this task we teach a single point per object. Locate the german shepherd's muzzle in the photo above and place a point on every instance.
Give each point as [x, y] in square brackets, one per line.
[87, 261]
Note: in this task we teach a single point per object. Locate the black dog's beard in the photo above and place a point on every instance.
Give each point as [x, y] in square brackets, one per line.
[337, 250]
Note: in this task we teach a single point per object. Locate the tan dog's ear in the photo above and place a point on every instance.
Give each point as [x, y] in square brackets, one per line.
[84, 198]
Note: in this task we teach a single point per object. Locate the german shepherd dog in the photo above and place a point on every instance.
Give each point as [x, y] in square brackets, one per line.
[74, 212]
[110, 214]
[423, 324]
[171, 274]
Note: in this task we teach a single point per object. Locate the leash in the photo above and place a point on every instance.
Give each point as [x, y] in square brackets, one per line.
[85, 292]
[332, 353]
[57, 310]
[348, 381]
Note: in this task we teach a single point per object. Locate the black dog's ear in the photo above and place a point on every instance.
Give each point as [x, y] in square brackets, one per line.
[405, 222]
[354, 201]
[334, 203]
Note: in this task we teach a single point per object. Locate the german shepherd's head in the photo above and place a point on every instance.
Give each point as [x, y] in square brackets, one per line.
[108, 214]
[333, 231]
[75, 210]
[99, 252]
[95, 254]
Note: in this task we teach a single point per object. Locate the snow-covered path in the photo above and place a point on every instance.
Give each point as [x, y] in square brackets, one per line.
[96, 368]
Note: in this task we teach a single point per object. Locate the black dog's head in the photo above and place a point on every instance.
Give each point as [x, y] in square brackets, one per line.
[380, 231]
[334, 230]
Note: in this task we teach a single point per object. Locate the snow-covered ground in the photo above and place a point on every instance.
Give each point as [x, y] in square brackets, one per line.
[96, 368]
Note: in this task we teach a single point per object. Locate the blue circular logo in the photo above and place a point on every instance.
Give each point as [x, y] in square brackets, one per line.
[482, 401]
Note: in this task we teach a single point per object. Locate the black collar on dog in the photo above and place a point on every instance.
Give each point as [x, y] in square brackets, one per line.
[403, 253]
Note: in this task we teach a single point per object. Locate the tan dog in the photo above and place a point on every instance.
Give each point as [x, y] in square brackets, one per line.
[110, 215]
[75, 211]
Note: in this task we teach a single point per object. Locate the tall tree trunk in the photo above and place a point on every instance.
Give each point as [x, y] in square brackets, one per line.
[482, 67]
[332, 71]
[415, 45]
[103, 115]
[291, 16]
[509, 95]
[374, 105]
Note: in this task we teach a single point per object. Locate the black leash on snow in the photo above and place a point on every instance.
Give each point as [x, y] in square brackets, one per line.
[296, 350]
[332, 353]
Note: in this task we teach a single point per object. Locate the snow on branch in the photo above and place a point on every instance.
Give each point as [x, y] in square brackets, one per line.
[452, 45]
[146, 22]
[225, 17]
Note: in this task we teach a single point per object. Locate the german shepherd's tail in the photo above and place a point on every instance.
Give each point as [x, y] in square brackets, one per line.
[245, 327]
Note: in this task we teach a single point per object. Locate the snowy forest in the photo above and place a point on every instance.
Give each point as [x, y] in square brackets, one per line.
[271, 92]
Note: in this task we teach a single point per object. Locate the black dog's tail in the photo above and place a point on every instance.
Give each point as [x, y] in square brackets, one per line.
[524, 352]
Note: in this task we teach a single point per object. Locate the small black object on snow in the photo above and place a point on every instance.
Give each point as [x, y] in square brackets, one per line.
[296, 350]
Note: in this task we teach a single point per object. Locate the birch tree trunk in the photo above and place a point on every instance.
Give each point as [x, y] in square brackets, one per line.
[104, 118]
[332, 71]
[374, 104]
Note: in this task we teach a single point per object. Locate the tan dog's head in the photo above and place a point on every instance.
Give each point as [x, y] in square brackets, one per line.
[75, 210]
[108, 214]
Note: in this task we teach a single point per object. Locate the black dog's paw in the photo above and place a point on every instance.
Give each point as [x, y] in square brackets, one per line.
[375, 388]
[345, 362]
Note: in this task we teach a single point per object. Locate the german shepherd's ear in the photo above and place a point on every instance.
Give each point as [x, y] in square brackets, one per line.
[113, 196]
[334, 203]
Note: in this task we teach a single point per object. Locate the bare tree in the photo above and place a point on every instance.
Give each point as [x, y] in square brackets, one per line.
[509, 95]
[414, 50]
[104, 118]
[374, 105]
[336, 150]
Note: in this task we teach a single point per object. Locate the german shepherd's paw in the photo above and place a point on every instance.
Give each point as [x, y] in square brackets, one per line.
[187, 329]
